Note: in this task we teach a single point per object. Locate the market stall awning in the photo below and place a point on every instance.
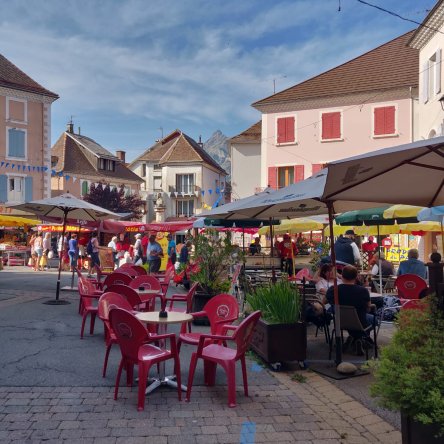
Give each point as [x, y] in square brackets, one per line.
[17, 221]
[300, 225]
[170, 226]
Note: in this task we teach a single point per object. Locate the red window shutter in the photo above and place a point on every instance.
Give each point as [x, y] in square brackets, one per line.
[389, 120]
[379, 123]
[272, 177]
[298, 173]
[316, 167]
[290, 129]
[331, 126]
[281, 130]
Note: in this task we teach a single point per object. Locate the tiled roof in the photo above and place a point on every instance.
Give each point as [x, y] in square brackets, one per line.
[433, 22]
[93, 147]
[391, 65]
[72, 159]
[177, 147]
[14, 78]
[252, 134]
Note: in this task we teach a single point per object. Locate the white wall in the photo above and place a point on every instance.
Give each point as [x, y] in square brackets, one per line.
[245, 169]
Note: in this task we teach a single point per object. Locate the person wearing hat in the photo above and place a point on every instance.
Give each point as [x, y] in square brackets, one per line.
[346, 250]
[154, 254]
[370, 247]
[138, 250]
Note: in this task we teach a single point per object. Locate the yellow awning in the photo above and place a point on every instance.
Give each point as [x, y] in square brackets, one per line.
[16, 221]
[385, 229]
[300, 225]
[401, 211]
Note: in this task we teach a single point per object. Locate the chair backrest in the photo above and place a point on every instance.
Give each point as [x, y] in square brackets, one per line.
[147, 281]
[86, 288]
[169, 273]
[130, 332]
[244, 332]
[109, 300]
[410, 286]
[190, 296]
[349, 318]
[139, 270]
[128, 293]
[117, 278]
[219, 308]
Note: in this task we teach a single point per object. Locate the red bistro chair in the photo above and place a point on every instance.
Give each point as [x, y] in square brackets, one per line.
[127, 293]
[86, 306]
[410, 290]
[117, 278]
[166, 279]
[150, 283]
[214, 354]
[136, 349]
[106, 302]
[222, 309]
[188, 298]
[139, 269]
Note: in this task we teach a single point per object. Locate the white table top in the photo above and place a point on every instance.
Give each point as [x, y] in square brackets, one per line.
[148, 291]
[174, 317]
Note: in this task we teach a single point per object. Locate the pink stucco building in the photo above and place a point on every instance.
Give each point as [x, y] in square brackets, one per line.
[25, 135]
[363, 105]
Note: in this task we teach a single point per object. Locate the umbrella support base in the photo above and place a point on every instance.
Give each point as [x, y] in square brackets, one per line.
[57, 302]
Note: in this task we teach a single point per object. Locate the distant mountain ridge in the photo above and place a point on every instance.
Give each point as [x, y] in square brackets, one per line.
[217, 147]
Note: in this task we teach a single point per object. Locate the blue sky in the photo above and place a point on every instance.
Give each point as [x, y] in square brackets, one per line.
[126, 68]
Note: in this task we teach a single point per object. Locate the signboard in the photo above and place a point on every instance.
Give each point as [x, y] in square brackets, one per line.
[106, 258]
[135, 229]
[396, 254]
[59, 228]
[161, 237]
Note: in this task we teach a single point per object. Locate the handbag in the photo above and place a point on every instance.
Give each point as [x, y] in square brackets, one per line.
[50, 254]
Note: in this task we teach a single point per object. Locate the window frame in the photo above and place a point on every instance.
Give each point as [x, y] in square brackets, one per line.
[7, 156]
[23, 191]
[295, 141]
[191, 185]
[25, 111]
[341, 126]
[282, 167]
[384, 105]
[182, 202]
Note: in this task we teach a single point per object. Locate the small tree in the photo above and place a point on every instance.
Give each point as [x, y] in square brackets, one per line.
[115, 200]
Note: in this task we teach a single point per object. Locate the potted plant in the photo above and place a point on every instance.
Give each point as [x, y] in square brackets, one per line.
[409, 375]
[280, 334]
[213, 256]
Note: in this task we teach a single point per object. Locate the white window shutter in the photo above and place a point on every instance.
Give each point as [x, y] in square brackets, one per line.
[437, 86]
[425, 82]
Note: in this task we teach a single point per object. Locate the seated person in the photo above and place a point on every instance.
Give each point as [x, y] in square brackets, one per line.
[350, 293]
[325, 281]
[387, 268]
[413, 265]
[255, 247]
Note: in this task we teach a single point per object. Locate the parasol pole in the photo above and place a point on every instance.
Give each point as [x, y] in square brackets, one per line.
[77, 259]
[273, 271]
[338, 341]
[379, 263]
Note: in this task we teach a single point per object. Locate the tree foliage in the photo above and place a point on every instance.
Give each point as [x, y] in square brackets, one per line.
[115, 200]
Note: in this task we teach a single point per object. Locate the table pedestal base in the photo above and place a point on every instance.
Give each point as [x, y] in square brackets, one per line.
[170, 381]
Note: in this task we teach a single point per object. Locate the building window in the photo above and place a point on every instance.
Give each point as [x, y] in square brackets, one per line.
[280, 177]
[158, 184]
[157, 167]
[15, 189]
[286, 130]
[384, 121]
[331, 126]
[16, 143]
[185, 183]
[85, 188]
[143, 170]
[16, 110]
[184, 208]
[107, 165]
[431, 77]
[316, 167]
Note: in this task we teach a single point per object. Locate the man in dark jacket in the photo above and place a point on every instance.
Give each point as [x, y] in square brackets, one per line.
[346, 250]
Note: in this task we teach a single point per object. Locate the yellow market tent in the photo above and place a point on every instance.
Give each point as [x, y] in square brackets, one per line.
[300, 225]
[16, 221]
[364, 230]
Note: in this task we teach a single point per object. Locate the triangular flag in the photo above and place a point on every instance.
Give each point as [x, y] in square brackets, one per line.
[33, 168]
[74, 179]
[169, 193]
[18, 167]
[60, 173]
[29, 168]
[7, 164]
[67, 177]
[2, 164]
[203, 192]
[53, 172]
[196, 193]
[176, 193]
[12, 165]
[45, 168]
[210, 191]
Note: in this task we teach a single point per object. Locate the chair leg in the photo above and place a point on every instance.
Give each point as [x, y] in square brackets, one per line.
[244, 375]
[119, 374]
[92, 323]
[178, 376]
[143, 375]
[179, 343]
[105, 362]
[85, 314]
[231, 378]
[191, 371]
[209, 373]
[129, 375]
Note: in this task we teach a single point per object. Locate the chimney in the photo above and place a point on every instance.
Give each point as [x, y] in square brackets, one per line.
[121, 155]
[200, 142]
[79, 130]
[70, 127]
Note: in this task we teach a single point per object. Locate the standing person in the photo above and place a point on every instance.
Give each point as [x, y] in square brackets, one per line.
[144, 241]
[413, 265]
[288, 252]
[46, 250]
[93, 251]
[72, 252]
[346, 250]
[154, 254]
[38, 248]
[370, 247]
[185, 253]
[172, 254]
[113, 245]
[138, 251]
[255, 246]
[33, 253]
[82, 242]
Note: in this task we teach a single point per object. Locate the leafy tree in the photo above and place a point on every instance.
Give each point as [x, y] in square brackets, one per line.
[115, 200]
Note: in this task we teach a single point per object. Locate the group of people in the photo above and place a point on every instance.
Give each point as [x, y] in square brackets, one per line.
[40, 248]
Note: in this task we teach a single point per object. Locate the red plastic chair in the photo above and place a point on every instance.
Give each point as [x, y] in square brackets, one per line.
[117, 278]
[150, 283]
[188, 298]
[222, 309]
[214, 354]
[127, 293]
[106, 302]
[140, 270]
[410, 289]
[166, 279]
[136, 349]
[86, 306]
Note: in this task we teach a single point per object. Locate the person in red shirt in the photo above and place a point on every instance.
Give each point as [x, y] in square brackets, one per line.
[370, 247]
[145, 241]
[288, 251]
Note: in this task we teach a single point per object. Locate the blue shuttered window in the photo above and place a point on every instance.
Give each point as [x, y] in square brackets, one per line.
[16, 143]
[28, 189]
[3, 188]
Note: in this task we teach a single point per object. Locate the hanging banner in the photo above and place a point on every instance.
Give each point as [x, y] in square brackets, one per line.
[59, 228]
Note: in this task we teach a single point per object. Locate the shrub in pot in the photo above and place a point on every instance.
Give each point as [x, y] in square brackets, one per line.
[280, 334]
[409, 376]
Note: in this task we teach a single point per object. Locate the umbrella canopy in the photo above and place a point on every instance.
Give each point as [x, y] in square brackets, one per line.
[369, 216]
[239, 223]
[365, 230]
[432, 214]
[300, 225]
[403, 212]
[66, 206]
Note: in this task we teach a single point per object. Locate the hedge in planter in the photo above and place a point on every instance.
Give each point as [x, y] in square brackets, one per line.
[409, 376]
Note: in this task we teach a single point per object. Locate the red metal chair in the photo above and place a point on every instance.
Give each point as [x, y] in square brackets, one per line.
[117, 278]
[106, 302]
[214, 354]
[86, 306]
[410, 290]
[136, 349]
[222, 309]
[188, 298]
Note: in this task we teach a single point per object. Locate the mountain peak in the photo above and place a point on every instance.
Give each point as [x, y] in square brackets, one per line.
[217, 147]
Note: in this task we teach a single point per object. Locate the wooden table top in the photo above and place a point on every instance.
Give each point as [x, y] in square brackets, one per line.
[174, 317]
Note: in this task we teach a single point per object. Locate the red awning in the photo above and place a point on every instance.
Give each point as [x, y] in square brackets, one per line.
[170, 226]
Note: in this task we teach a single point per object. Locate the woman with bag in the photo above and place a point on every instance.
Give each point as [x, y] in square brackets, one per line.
[46, 247]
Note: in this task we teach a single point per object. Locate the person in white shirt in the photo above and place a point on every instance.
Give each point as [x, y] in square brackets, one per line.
[112, 244]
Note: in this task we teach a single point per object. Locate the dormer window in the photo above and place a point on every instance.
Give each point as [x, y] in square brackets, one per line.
[107, 165]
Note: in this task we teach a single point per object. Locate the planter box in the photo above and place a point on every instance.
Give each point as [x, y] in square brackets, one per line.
[414, 432]
[199, 301]
[280, 342]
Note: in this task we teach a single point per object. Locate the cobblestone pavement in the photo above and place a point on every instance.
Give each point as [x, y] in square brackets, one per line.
[279, 408]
